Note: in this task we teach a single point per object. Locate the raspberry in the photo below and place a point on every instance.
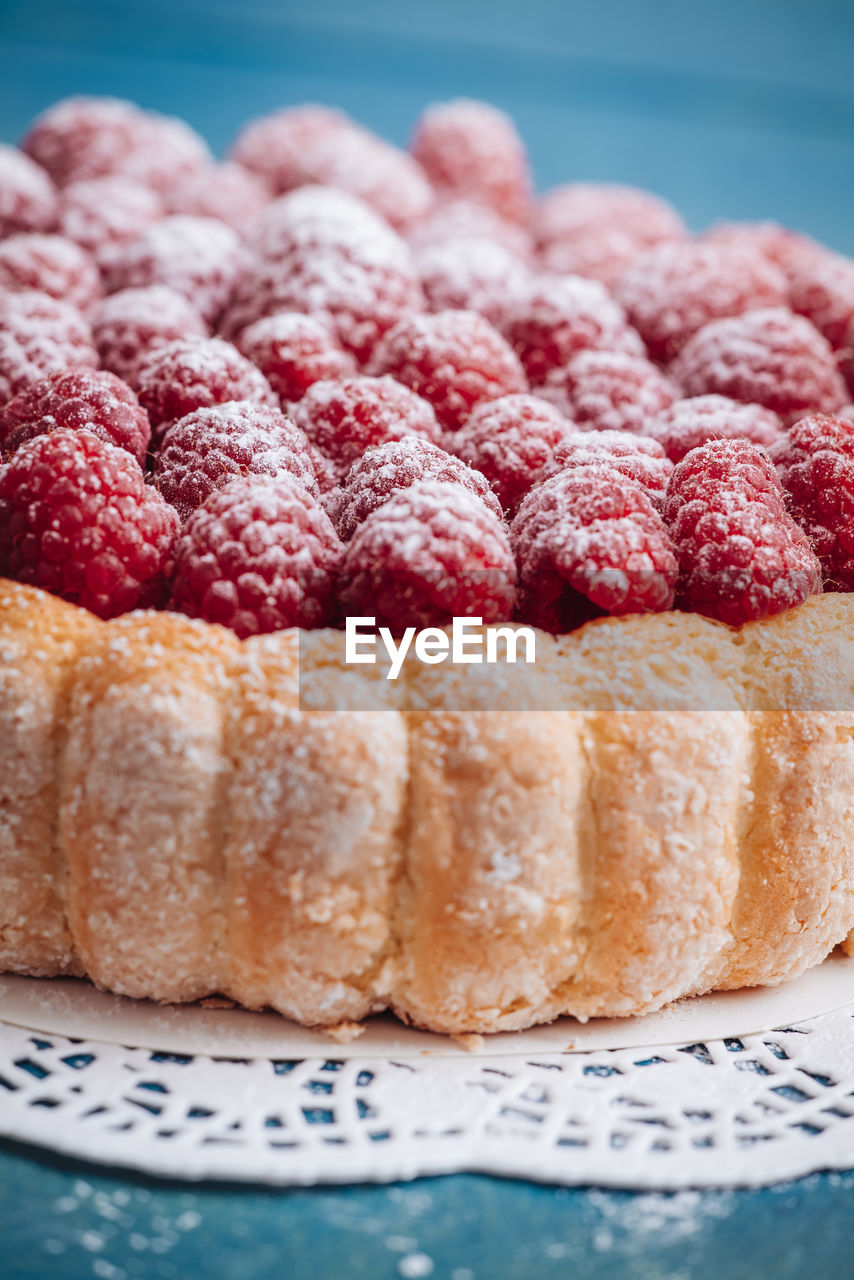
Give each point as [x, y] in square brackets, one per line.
[431, 553]
[603, 256]
[560, 315]
[635, 457]
[689, 423]
[387, 468]
[323, 218]
[194, 373]
[471, 275]
[768, 357]
[325, 254]
[105, 214]
[597, 229]
[588, 541]
[77, 518]
[49, 264]
[366, 166]
[81, 138]
[777, 244]
[741, 556]
[674, 289]
[74, 399]
[226, 191]
[273, 146]
[38, 336]
[460, 219]
[471, 149]
[208, 448]
[512, 441]
[315, 145]
[293, 351]
[454, 359]
[343, 419]
[815, 462]
[27, 197]
[821, 287]
[610, 391]
[579, 210]
[129, 325]
[198, 257]
[259, 555]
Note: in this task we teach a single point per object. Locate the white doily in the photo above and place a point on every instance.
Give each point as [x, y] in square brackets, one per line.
[737, 1112]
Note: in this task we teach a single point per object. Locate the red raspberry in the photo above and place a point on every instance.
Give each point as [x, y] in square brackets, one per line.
[129, 325]
[454, 359]
[821, 287]
[741, 556]
[610, 391]
[431, 553]
[81, 138]
[325, 254]
[387, 468]
[274, 146]
[198, 257]
[27, 197]
[77, 398]
[845, 358]
[293, 351]
[368, 167]
[597, 229]
[226, 191]
[323, 218]
[815, 462]
[194, 373]
[78, 519]
[210, 447]
[512, 441]
[560, 315]
[777, 244]
[589, 541]
[49, 264]
[105, 214]
[674, 289]
[578, 211]
[633, 456]
[471, 275]
[314, 145]
[460, 219]
[259, 555]
[768, 357]
[603, 255]
[689, 423]
[39, 335]
[471, 149]
[343, 419]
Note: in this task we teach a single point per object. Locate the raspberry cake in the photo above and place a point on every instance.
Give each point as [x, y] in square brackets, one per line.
[243, 404]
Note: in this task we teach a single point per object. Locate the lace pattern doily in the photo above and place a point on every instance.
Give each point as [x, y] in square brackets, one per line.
[733, 1112]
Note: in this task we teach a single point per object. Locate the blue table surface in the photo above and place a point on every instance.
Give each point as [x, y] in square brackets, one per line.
[741, 108]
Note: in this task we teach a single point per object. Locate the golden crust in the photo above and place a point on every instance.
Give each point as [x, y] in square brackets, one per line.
[661, 806]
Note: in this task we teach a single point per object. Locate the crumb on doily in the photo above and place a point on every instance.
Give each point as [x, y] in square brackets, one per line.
[345, 1032]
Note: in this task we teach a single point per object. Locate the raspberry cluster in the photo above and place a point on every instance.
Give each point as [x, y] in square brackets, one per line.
[327, 375]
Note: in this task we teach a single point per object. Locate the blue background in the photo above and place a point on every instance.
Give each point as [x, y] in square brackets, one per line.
[740, 108]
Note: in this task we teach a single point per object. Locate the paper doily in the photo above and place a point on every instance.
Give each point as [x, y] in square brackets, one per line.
[733, 1112]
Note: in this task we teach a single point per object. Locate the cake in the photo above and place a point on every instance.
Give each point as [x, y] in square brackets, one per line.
[203, 793]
